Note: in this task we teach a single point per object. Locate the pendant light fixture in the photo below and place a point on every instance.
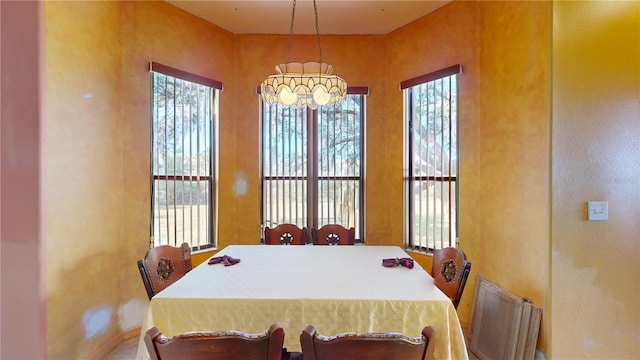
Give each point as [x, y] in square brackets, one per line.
[309, 84]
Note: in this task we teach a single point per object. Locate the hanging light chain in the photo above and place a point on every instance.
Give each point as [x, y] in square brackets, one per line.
[293, 15]
[315, 11]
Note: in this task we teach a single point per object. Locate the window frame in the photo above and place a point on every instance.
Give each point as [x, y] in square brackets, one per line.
[212, 119]
[409, 178]
[312, 193]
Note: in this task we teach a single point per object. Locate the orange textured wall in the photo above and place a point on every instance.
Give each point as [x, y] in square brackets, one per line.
[424, 46]
[159, 32]
[355, 58]
[596, 126]
[512, 248]
[503, 128]
[82, 175]
[96, 157]
[504, 123]
[97, 126]
[114, 59]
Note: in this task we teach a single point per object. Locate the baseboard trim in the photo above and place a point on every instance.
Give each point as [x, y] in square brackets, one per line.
[135, 332]
[113, 343]
[105, 348]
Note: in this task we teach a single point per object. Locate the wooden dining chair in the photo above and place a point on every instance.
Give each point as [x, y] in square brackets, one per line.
[163, 265]
[285, 234]
[333, 234]
[229, 345]
[370, 346]
[450, 270]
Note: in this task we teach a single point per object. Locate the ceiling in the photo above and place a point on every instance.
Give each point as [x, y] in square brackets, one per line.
[334, 16]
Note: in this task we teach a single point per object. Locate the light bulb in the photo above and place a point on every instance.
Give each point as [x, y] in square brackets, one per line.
[287, 97]
[321, 96]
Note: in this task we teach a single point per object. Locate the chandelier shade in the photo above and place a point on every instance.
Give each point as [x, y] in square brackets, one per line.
[310, 84]
[300, 85]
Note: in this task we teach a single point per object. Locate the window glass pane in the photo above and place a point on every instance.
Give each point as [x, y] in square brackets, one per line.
[181, 210]
[339, 164]
[284, 166]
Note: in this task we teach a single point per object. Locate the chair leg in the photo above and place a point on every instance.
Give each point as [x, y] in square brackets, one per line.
[286, 355]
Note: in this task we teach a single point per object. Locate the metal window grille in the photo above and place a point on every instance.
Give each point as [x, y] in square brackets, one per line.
[182, 161]
[431, 174]
[312, 165]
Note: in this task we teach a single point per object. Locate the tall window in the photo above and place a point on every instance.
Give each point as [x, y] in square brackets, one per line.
[183, 150]
[312, 165]
[431, 159]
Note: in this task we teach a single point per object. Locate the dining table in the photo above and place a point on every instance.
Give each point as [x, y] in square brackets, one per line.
[336, 289]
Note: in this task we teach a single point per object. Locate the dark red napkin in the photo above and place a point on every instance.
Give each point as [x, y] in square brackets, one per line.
[406, 262]
[226, 260]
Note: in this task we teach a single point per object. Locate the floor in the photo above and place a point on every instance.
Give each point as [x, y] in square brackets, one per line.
[125, 351]
[128, 348]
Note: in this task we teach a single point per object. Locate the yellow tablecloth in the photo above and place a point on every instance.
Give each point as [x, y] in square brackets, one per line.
[335, 288]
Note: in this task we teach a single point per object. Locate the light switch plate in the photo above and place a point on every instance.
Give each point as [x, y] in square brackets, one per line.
[598, 210]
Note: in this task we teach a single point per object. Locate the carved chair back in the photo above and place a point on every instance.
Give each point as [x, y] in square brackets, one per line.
[285, 234]
[370, 346]
[450, 271]
[216, 345]
[163, 265]
[333, 234]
